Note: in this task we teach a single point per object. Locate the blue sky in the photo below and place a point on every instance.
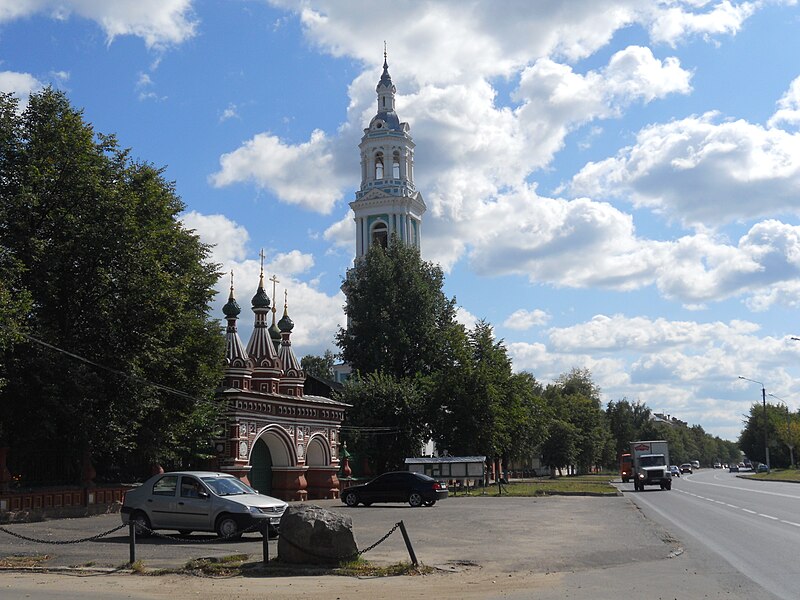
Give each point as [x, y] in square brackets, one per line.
[611, 184]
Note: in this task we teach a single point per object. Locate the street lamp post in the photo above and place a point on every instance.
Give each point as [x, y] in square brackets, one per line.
[764, 401]
[788, 430]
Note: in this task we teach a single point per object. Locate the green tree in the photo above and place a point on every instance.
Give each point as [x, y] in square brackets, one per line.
[398, 316]
[625, 421]
[385, 423]
[575, 399]
[560, 447]
[114, 278]
[321, 366]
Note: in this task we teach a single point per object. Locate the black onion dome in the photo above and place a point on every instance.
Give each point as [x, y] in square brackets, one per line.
[231, 308]
[285, 324]
[261, 300]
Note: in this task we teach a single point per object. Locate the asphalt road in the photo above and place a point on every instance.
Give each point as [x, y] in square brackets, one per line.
[752, 525]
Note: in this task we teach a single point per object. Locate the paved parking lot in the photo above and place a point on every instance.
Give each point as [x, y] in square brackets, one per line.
[506, 534]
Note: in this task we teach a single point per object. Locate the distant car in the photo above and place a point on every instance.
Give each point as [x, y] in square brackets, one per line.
[695, 464]
[686, 468]
[733, 469]
[199, 501]
[717, 465]
[762, 468]
[676, 472]
[398, 486]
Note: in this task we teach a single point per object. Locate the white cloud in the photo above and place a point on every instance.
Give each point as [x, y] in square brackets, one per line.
[22, 85]
[672, 21]
[292, 263]
[466, 318]
[159, 23]
[523, 319]
[702, 171]
[230, 112]
[229, 239]
[300, 174]
[788, 107]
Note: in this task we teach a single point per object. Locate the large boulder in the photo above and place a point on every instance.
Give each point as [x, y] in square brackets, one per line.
[309, 534]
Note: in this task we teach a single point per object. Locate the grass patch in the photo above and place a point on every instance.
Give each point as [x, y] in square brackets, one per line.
[224, 566]
[777, 475]
[363, 568]
[16, 561]
[589, 485]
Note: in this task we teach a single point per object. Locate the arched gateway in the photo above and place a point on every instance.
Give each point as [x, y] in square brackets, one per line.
[281, 441]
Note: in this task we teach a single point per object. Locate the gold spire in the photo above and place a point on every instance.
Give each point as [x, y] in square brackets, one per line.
[285, 303]
[231, 296]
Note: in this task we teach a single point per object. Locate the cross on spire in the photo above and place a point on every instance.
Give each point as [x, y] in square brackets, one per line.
[274, 280]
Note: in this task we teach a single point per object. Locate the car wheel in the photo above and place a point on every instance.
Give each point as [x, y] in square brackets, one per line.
[351, 499]
[227, 527]
[430, 502]
[415, 499]
[184, 532]
[669, 485]
[142, 524]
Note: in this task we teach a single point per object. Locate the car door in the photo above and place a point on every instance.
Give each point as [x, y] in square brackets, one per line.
[162, 503]
[377, 490]
[194, 505]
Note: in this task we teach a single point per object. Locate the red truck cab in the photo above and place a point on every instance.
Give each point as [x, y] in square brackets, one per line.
[625, 467]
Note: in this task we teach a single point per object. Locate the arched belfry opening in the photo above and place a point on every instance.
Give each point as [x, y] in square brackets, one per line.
[379, 165]
[380, 234]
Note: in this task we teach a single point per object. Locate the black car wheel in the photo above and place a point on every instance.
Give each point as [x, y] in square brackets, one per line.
[227, 527]
[415, 499]
[351, 499]
[184, 532]
[142, 524]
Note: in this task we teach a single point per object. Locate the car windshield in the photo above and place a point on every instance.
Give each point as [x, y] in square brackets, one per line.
[227, 486]
[652, 460]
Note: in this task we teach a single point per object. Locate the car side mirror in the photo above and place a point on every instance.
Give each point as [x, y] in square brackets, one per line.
[203, 495]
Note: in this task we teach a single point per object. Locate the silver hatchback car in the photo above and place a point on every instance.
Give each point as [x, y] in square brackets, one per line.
[190, 501]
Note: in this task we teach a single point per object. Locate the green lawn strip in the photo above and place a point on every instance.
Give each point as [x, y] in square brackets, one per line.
[776, 475]
[589, 485]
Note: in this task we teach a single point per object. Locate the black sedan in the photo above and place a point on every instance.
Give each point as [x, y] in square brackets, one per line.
[399, 486]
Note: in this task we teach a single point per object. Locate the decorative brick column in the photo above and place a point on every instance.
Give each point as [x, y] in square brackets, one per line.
[322, 482]
[289, 483]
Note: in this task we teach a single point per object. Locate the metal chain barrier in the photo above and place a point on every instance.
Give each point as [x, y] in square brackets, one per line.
[347, 557]
[186, 540]
[62, 542]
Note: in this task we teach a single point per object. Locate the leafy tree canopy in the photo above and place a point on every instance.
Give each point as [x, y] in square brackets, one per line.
[398, 315]
[113, 277]
[320, 366]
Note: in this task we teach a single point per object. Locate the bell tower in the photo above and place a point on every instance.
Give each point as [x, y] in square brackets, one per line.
[387, 203]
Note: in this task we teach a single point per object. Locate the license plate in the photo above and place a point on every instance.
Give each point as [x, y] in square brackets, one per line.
[274, 520]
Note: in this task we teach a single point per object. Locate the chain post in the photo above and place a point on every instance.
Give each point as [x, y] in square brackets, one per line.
[408, 543]
[265, 543]
[132, 537]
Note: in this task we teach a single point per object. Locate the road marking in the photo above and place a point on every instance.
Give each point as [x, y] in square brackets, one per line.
[790, 523]
[747, 510]
[741, 489]
[768, 516]
[731, 505]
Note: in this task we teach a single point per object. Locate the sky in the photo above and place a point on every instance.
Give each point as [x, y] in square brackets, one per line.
[611, 184]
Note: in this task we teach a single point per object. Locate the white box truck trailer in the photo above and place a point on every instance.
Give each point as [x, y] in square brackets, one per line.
[651, 464]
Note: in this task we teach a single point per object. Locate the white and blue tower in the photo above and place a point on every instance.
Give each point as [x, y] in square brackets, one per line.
[388, 203]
